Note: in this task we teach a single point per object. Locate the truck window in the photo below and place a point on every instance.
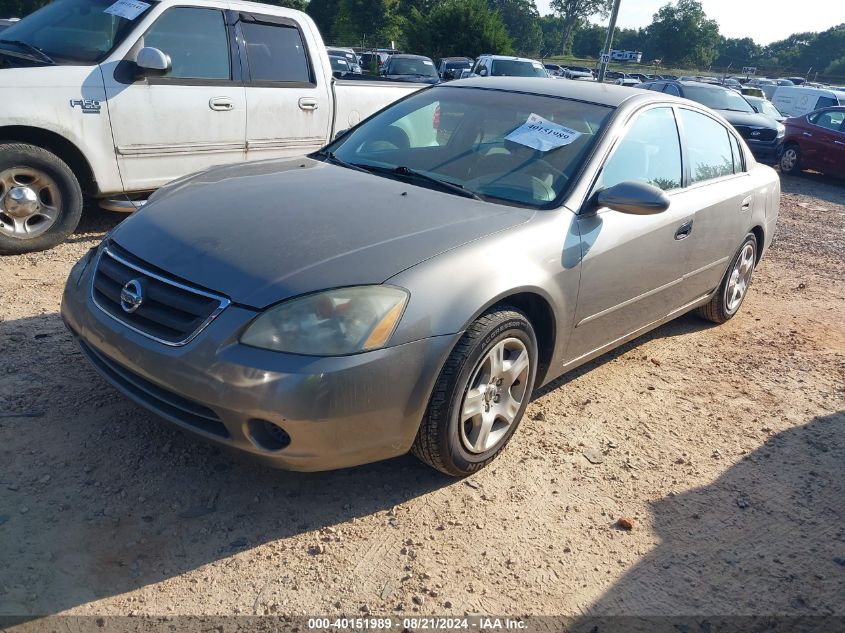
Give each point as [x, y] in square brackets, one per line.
[276, 53]
[196, 41]
[826, 102]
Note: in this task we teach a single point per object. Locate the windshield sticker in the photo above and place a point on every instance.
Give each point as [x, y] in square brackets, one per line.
[428, 63]
[542, 135]
[129, 9]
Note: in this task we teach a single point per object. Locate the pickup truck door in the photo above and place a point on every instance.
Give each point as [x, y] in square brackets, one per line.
[193, 117]
[287, 90]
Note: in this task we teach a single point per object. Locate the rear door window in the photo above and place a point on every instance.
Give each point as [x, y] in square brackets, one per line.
[708, 147]
[276, 53]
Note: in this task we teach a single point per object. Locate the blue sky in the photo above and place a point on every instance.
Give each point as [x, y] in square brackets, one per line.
[764, 21]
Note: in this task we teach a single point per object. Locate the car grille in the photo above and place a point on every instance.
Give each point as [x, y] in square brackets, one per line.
[170, 312]
[756, 134]
[154, 397]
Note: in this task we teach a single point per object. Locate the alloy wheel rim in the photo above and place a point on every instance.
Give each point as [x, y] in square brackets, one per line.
[30, 203]
[496, 391]
[788, 159]
[740, 278]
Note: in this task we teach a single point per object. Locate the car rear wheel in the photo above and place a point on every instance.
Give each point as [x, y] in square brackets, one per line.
[790, 159]
[480, 395]
[734, 287]
[40, 199]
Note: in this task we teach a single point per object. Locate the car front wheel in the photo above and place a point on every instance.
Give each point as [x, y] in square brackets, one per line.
[481, 394]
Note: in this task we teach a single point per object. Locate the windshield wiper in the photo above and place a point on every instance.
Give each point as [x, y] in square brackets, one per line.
[44, 57]
[332, 158]
[444, 184]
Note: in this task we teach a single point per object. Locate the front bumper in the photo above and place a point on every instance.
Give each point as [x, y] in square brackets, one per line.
[337, 412]
[768, 153]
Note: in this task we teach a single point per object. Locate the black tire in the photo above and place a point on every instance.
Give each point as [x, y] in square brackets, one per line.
[438, 442]
[790, 159]
[20, 155]
[717, 309]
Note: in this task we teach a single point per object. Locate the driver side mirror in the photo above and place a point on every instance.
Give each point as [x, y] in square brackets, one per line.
[635, 198]
[483, 72]
[151, 62]
[340, 133]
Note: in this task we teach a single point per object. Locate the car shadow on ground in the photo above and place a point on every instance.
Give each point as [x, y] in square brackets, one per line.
[778, 514]
[98, 497]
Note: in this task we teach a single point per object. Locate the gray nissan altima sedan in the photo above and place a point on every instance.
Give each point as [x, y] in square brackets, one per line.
[410, 285]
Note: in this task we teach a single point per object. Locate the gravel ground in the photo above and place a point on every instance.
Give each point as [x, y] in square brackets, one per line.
[723, 446]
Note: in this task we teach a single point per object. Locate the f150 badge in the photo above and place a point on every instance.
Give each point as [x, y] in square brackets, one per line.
[88, 106]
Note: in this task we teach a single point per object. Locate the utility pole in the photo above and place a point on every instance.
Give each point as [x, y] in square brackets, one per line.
[608, 42]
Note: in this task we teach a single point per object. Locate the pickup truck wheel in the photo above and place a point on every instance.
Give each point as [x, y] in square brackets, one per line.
[734, 287]
[480, 395]
[40, 199]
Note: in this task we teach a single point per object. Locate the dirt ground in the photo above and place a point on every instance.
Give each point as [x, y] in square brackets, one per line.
[725, 447]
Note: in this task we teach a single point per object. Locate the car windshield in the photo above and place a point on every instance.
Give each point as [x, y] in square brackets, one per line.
[411, 66]
[717, 98]
[478, 143]
[339, 64]
[73, 31]
[458, 65]
[515, 68]
[768, 108]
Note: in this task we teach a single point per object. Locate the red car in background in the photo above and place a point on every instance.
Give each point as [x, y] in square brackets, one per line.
[815, 141]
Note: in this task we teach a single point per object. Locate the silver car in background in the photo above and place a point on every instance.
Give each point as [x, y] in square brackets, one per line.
[409, 286]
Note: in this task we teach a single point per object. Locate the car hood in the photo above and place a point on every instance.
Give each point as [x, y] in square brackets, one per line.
[751, 119]
[263, 232]
[414, 79]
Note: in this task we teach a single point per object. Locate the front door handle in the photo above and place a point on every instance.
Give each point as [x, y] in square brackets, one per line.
[684, 231]
[746, 203]
[221, 104]
[308, 103]
[807, 134]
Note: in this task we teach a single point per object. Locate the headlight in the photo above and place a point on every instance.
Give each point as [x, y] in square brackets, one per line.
[330, 323]
[781, 130]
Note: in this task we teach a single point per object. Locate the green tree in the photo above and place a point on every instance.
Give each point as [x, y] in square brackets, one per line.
[457, 27]
[683, 34]
[573, 12]
[522, 21]
[588, 40]
[836, 68]
[552, 28]
[737, 52]
[363, 22]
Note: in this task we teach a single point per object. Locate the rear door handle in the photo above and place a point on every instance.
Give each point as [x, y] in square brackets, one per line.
[308, 103]
[684, 231]
[746, 204]
[221, 104]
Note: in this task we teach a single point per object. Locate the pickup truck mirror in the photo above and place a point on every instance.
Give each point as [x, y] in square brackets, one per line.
[152, 62]
[483, 72]
[340, 133]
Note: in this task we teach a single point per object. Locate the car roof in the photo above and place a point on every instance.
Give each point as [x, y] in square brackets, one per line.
[408, 56]
[594, 92]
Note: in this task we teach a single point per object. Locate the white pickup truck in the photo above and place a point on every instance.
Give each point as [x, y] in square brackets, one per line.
[112, 99]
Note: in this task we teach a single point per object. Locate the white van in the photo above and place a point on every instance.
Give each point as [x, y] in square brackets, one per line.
[798, 100]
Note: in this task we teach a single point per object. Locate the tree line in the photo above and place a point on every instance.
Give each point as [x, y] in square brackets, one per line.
[680, 34]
